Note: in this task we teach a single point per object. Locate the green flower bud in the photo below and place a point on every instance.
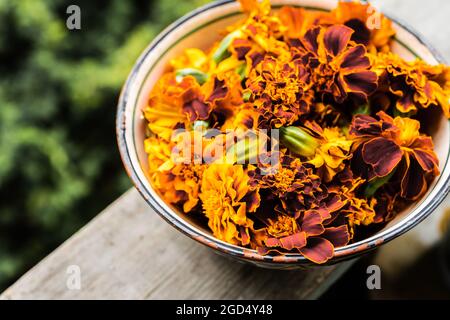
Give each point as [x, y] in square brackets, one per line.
[298, 141]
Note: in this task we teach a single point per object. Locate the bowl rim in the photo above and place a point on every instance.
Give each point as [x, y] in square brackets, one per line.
[346, 252]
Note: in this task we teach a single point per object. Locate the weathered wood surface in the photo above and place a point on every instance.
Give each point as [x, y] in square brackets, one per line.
[129, 252]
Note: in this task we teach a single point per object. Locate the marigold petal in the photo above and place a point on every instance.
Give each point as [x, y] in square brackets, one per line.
[338, 236]
[336, 39]
[355, 58]
[312, 223]
[413, 184]
[318, 250]
[383, 154]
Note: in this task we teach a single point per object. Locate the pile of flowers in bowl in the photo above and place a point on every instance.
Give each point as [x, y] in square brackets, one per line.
[298, 132]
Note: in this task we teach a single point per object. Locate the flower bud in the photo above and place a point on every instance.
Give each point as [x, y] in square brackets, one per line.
[298, 141]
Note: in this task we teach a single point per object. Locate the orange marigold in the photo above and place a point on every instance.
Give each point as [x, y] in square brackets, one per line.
[226, 199]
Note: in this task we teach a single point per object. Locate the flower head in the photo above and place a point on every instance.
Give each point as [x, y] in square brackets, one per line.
[327, 149]
[178, 183]
[388, 144]
[358, 211]
[338, 66]
[280, 90]
[226, 199]
[416, 85]
[311, 234]
[332, 152]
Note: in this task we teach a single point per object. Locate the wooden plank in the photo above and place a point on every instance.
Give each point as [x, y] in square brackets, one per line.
[129, 252]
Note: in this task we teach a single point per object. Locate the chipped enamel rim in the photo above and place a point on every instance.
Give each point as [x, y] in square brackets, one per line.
[126, 123]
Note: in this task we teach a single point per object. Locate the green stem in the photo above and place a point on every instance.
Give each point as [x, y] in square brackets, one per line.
[199, 76]
[222, 52]
[376, 184]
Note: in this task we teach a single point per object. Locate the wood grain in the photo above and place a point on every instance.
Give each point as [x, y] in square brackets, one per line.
[129, 252]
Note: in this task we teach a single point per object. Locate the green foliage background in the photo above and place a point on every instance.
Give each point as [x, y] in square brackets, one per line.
[59, 165]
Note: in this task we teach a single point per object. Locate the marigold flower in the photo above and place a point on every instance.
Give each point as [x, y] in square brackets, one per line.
[280, 90]
[338, 66]
[334, 149]
[326, 149]
[290, 176]
[416, 84]
[226, 199]
[296, 21]
[164, 111]
[357, 211]
[178, 183]
[311, 234]
[388, 144]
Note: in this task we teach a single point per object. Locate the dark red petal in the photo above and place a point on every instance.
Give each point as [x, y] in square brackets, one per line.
[363, 82]
[334, 204]
[310, 39]
[355, 58]
[427, 160]
[338, 236]
[365, 125]
[220, 90]
[197, 110]
[244, 235]
[336, 39]
[318, 250]
[255, 58]
[252, 200]
[312, 223]
[362, 33]
[413, 184]
[297, 240]
[383, 154]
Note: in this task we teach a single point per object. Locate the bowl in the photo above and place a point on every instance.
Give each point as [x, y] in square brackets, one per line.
[200, 28]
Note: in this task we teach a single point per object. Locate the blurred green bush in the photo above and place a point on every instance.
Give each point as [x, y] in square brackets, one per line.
[59, 164]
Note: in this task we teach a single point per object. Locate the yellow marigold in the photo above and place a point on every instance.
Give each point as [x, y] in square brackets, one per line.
[358, 211]
[159, 154]
[164, 110]
[177, 180]
[326, 149]
[226, 199]
[334, 148]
